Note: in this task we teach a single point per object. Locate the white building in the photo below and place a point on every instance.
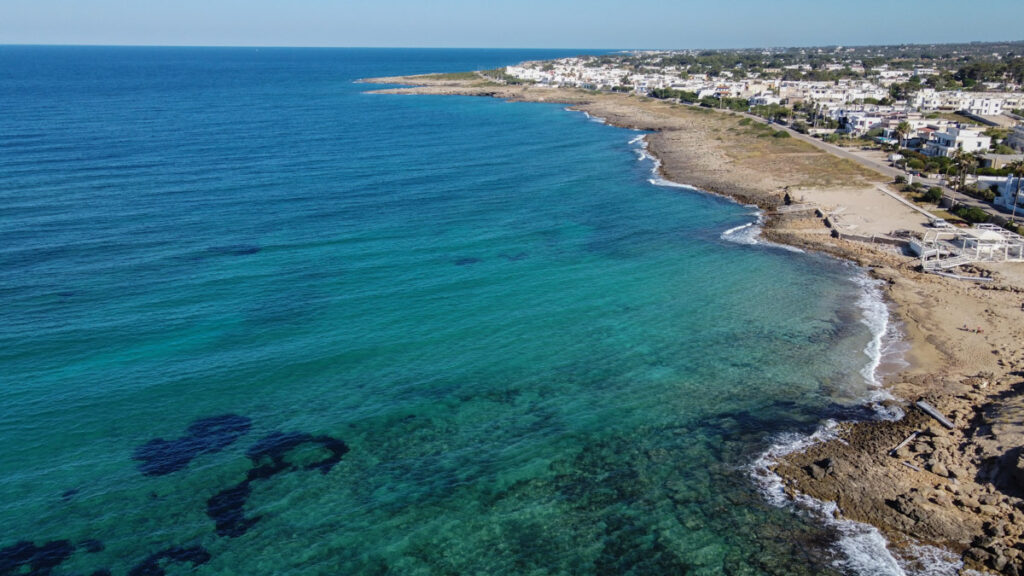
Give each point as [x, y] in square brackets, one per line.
[1016, 138]
[1006, 191]
[980, 103]
[764, 99]
[859, 123]
[955, 138]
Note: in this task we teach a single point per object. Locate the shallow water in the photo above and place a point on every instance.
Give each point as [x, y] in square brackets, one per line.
[536, 361]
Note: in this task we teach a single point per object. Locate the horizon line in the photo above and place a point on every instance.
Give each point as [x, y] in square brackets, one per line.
[328, 47]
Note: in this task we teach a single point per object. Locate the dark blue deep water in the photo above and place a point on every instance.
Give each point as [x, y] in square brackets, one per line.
[257, 321]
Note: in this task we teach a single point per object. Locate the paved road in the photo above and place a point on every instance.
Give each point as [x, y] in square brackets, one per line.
[883, 167]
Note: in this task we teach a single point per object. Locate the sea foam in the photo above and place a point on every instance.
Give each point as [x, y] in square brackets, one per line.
[862, 548]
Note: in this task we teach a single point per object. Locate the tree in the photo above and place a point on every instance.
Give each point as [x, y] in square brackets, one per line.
[902, 131]
[965, 162]
[972, 214]
[1017, 168]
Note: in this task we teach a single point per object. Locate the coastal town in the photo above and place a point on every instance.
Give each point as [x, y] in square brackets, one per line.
[953, 125]
[911, 171]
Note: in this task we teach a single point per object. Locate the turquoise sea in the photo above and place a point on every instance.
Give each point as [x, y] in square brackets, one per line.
[258, 321]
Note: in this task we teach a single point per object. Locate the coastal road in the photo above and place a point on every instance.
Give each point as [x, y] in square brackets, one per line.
[881, 167]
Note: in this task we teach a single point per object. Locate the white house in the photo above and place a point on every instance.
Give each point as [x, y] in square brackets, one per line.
[859, 122]
[1016, 138]
[984, 106]
[764, 99]
[1006, 192]
[955, 138]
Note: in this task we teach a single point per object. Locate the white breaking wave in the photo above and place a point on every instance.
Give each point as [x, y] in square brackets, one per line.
[862, 547]
[884, 343]
[591, 117]
[770, 482]
[745, 233]
[749, 233]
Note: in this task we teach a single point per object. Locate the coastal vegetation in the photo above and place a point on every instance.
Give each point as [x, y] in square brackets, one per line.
[972, 214]
[454, 76]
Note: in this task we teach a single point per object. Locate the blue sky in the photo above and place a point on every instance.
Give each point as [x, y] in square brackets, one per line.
[509, 23]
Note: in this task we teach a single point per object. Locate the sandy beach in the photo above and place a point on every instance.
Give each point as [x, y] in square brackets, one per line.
[961, 488]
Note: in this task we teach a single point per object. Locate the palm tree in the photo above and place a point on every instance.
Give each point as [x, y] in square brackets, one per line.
[1017, 169]
[965, 162]
[903, 130]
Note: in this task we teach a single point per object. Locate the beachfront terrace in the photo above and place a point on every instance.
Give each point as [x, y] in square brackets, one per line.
[943, 248]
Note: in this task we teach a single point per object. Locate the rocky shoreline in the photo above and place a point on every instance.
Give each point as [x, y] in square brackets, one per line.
[960, 489]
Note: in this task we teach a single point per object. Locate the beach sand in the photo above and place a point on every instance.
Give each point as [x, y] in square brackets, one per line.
[960, 489]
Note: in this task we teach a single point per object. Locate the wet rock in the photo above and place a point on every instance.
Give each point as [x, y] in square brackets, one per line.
[159, 457]
[984, 541]
[154, 564]
[816, 472]
[909, 505]
[978, 554]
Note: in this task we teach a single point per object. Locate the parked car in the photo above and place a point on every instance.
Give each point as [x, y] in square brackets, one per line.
[940, 223]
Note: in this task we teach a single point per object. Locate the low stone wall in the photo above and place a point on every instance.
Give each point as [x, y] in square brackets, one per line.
[871, 239]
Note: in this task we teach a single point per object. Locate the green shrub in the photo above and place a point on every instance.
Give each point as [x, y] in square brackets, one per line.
[934, 194]
[780, 134]
[900, 180]
[972, 214]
